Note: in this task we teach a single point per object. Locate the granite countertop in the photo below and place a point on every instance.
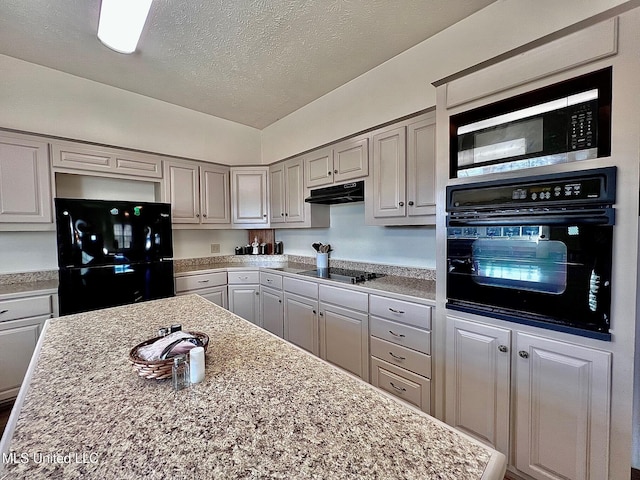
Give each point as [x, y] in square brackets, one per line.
[15, 289]
[265, 409]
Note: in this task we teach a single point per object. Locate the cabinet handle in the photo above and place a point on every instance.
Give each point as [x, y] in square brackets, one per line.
[203, 281]
[396, 311]
[243, 278]
[503, 348]
[401, 204]
[396, 334]
[523, 354]
[411, 203]
[269, 280]
[400, 389]
[397, 357]
[3, 311]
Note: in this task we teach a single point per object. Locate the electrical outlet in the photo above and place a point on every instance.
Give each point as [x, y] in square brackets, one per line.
[215, 248]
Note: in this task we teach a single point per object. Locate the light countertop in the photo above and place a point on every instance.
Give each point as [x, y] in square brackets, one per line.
[265, 409]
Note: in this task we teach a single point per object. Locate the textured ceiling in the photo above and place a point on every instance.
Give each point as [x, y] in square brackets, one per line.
[249, 61]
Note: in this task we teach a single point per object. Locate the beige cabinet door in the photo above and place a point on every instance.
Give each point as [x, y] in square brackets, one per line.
[215, 196]
[562, 409]
[182, 189]
[277, 193]
[217, 295]
[272, 308]
[294, 191]
[18, 339]
[421, 168]
[301, 322]
[249, 196]
[244, 301]
[389, 172]
[344, 339]
[478, 382]
[351, 159]
[319, 167]
[25, 188]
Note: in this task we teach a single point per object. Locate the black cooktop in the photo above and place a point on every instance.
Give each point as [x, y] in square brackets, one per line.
[342, 275]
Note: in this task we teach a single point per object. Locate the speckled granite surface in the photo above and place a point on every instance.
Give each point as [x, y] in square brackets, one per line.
[265, 409]
[28, 277]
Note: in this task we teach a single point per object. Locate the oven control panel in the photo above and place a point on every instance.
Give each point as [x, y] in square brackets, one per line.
[558, 191]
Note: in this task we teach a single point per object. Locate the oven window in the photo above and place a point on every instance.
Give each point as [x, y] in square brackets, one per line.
[520, 263]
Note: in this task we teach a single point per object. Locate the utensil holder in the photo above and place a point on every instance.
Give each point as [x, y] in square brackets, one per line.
[322, 260]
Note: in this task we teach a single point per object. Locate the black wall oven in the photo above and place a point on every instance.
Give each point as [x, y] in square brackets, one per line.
[534, 250]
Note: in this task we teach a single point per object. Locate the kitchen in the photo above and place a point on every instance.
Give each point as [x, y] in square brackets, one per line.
[367, 100]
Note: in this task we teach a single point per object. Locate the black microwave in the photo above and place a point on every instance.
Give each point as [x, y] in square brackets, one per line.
[564, 122]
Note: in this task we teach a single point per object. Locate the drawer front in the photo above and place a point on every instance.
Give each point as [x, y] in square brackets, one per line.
[271, 280]
[402, 384]
[243, 277]
[344, 298]
[204, 280]
[402, 357]
[25, 307]
[301, 287]
[401, 334]
[400, 311]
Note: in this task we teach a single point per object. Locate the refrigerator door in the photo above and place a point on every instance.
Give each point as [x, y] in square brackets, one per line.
[91, 288]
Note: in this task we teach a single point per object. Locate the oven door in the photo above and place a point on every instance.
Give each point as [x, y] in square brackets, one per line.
[553, 275]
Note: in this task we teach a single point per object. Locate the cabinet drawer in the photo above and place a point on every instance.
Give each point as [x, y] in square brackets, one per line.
[301, 287]
[271, 280]
[196, 282]
[243, 277]
[344, 297]
[25, 307]
[400, 311]
[403, 357]
[401, 334]
[412, 388]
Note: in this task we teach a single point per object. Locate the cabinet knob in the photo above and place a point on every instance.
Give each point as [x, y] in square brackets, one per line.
[204, 214]
[329, 172]
[335, 171]
[257, 293]
[314, 312]
[279, 301]
[264, 216]
[401, 204]
[503, 348]
[321, 314]
[411, 203]
[282, 214]
[286, 214]
[523, 354]
[197, 215]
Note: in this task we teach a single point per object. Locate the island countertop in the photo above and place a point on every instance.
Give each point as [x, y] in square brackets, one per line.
[265, 409]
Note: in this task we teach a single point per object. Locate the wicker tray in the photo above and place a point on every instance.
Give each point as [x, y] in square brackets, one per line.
[158, 369]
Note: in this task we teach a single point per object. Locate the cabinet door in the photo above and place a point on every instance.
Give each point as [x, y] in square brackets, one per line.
[389, 172]
[319, 167]
[182, 191]
[301, 322]
[351, 160]
[421, 168]
[215, 198]
[477, 381]
[25, 191]
[244, 301]
[276, 193]
[294, 191]
[217, 295]
[18, 339]
[344, 339]
[249, 196]
[562, 409]
[272, 310]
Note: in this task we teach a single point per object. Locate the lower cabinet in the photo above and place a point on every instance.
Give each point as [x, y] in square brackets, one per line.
[560, 393]
[212, 286]
[272, 308]
[301, 321]
[244, 301]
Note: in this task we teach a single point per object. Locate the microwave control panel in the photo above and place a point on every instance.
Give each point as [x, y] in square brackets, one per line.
[582, 126]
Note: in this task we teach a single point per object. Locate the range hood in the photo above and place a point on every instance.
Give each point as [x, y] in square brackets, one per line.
[349, 192]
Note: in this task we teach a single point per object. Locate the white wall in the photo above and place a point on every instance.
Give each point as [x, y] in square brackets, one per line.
[352, 240]
[41, 100]
[402, 85]
[28, 252]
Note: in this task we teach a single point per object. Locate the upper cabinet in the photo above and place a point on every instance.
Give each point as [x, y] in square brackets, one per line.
[25, 186]
[401, 189]
[198, 193]
[249, 197]
[104, 161]
[338, 163]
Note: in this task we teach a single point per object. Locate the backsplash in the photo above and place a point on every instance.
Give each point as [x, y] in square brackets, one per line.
[28, 277]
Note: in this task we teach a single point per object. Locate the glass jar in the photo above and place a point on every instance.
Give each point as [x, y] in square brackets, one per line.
[180, 372]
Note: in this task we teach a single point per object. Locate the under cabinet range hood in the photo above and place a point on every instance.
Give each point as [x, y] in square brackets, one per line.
[347, 193]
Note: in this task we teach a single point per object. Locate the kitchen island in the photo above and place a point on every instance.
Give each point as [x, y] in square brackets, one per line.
[265, 409]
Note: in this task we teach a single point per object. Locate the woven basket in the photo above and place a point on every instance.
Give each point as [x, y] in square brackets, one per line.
[158, 369]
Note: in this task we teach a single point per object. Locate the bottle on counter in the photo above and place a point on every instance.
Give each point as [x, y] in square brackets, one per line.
[196, 364]
[180, 372]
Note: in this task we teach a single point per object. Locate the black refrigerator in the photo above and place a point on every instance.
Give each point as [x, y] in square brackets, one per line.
[112, 253]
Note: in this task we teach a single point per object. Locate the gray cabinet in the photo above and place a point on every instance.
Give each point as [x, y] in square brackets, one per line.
[244, 294]
[338, 163]
[25, 185]
[287, 192]
[272, 303]
[301, 314]
[249, 197]
[210, 285]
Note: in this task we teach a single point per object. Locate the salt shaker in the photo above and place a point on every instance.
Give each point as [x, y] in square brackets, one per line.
[196, 364]
[180, 372]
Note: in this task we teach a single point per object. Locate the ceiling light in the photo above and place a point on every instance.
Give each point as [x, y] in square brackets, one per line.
[121, 23]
